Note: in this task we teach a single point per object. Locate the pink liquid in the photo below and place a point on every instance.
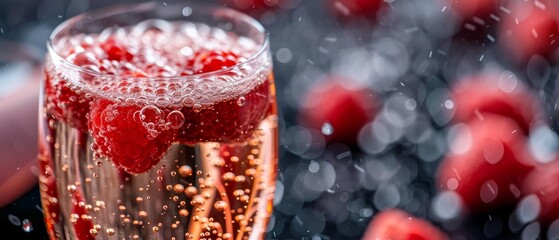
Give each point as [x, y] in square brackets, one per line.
[158, 158]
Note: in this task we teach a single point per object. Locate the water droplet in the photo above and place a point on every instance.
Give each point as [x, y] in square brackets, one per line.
[178, 188]
[489, 191]
[220, 205]
[452, 184]
[197, 108]
[240, 178]
[327, 129]
[97, 227]
[26, 225]
[197, 200]
[314, 167]
[14, 220]
[446, 205]
[387, 196]
[543, 144]
[507, 81]
[191, 191]
[553, 230]
[183, 212]
[187, 51]
[531, 232]
[528, 208]
[227, 236]
[493, 151]
[284, 55]
[228, 176]
[241, 101]
[238, 193]
[142, 214]
[410, 104]
[449, 104]
[185, 171]
[71, 188]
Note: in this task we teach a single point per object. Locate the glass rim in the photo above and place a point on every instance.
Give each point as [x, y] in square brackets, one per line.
[117, 9]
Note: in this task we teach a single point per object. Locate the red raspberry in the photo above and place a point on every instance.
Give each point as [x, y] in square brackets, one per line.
[529, 30]
[543, 183]
[133, 138]
[253, 7]
[353, 9]
[210, 61]
[488, 164]
[231, 120]
[66, 103]
[135, 144]
[116, 51]
[346, 110]
[477, 95]
[83, 224]
[398, 225]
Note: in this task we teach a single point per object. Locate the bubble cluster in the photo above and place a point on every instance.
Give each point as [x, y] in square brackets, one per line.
[137, 63]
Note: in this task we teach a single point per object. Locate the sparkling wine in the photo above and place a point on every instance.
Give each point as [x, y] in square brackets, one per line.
[158, 130]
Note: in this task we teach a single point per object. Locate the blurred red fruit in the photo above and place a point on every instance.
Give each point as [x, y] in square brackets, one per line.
[253, 7]
[487, 163]
[351, 9]
[210, 61]
[345, 110]
[502, 95]
[543, 183]
[466, 10]
[399, 225]
[529, 29]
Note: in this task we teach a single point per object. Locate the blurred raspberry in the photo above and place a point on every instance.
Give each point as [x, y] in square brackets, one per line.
[116, 51]
[253, 7]
[354, 9]
[542, 182]
[487, 164]
[528, 30]
[338, 111]
[503, 95]
[211, 61]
